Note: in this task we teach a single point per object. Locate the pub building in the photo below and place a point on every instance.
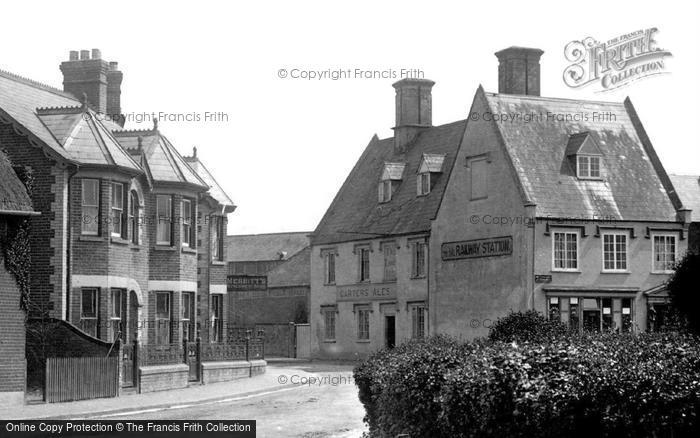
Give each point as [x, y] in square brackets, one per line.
[444, 229]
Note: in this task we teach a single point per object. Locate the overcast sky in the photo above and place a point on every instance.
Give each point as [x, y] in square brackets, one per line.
[288, 144]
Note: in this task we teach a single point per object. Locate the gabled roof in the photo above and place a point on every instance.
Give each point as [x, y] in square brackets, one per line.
[431, 163]
[393, 171]
[215, 190]
[688, 189]
[296, 271]
[13, 195]
[165, 164]
[61, 123]
[582, 143]
[264, 247]
[636, 186]
[356, 214]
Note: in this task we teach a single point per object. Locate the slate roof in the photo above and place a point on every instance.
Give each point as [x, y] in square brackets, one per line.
[356, 214]
[163, 161]
[688, 188]
[215, 190]
[264, 247]
[60, 121]
[296, 271]
[13, 195]
[634, 184]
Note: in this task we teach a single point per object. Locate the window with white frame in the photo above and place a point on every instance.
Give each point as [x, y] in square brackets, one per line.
[384, 191]
[418, 320]
[134, 217]
[90, 206]
[423, 183]
[389, 250]
[163, 315]
[117, 205]
[186, 223]
[329, 324]
[164, 209]
[88, 311]
[117, 305]
[588, 166]
[329, 267]
[188, 316]
[217, 317]
[565, 250]
[664, 252]
[419, 259]
[363, 263]
[615, 251]
[363, 315]
[217, 238]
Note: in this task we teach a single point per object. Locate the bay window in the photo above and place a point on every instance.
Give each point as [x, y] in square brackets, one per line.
[90, 206]
[164, 209]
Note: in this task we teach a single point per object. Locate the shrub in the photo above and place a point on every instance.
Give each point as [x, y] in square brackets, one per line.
[683, 289]
[529, 326]
[600, 385]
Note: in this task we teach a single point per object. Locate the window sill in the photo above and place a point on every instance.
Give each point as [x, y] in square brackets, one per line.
[135, 247]
[91, 238]
[615, 272]
[188, 250]
[329, 341]
[390, 281]
[118, 240]
[329, 284]
[662, 272]
[164, 248]
[218, 263]
[566, 271]
[421, 277]
[363, 341]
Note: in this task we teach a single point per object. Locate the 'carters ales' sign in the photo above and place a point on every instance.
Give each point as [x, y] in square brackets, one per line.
[469, 249]
[366, 292]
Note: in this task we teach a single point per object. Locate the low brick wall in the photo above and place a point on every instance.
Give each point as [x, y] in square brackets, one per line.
[257, 367]
[213, 372]
[162, 377]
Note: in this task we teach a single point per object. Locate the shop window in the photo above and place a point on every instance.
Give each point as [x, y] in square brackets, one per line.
[608, 321]
[554, 309]
[574, 313]
[627, 315]
[591, 314]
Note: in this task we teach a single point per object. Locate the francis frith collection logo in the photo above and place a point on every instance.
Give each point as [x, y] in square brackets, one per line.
[616, 62]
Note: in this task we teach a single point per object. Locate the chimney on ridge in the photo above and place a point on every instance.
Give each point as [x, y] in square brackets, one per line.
[98, 79]
[519, 71]
[414, 111]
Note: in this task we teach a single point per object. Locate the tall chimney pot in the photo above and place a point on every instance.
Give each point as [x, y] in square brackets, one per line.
[73, 55]
[96, 54]
[519, 71]
[84, 55]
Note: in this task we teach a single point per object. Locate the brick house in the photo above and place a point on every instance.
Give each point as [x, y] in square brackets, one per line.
[15, 206]
[115, 250]
[556, 205]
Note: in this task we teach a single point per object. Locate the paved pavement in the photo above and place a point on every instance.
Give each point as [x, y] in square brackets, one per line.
[292, 399]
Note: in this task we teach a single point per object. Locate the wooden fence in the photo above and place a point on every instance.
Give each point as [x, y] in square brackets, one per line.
[81, 378]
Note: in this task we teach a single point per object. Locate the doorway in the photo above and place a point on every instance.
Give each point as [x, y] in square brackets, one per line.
[389, 331]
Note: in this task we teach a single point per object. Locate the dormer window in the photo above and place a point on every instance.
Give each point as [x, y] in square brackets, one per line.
[588, 166]
[585, 156]
[428, 171]
[423, 184]
[390, 180]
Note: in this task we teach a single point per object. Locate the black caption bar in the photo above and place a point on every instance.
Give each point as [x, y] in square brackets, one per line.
[150, 428]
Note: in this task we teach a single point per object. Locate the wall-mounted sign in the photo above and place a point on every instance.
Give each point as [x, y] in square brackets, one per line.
[366, 292]
[469, 249]
[542, 278]
[246, 282]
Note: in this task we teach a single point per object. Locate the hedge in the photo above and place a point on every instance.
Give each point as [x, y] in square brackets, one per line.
[598, 385]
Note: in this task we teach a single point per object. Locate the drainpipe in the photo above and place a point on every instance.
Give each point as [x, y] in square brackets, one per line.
[69, 244]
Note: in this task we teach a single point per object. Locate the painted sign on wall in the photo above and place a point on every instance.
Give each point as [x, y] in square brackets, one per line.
[469, 249]
[246, 282]
[366, 292]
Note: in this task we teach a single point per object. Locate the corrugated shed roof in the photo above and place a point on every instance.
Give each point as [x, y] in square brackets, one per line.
[13, 194]
[688, 188]
[631, 188]
[296, 271]
[215, 190]
[165, 164]
[265, 247]
[356, 213]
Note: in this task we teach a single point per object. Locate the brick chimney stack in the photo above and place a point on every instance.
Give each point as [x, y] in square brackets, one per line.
[98, 79]
[519, 71]
[414, 110]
